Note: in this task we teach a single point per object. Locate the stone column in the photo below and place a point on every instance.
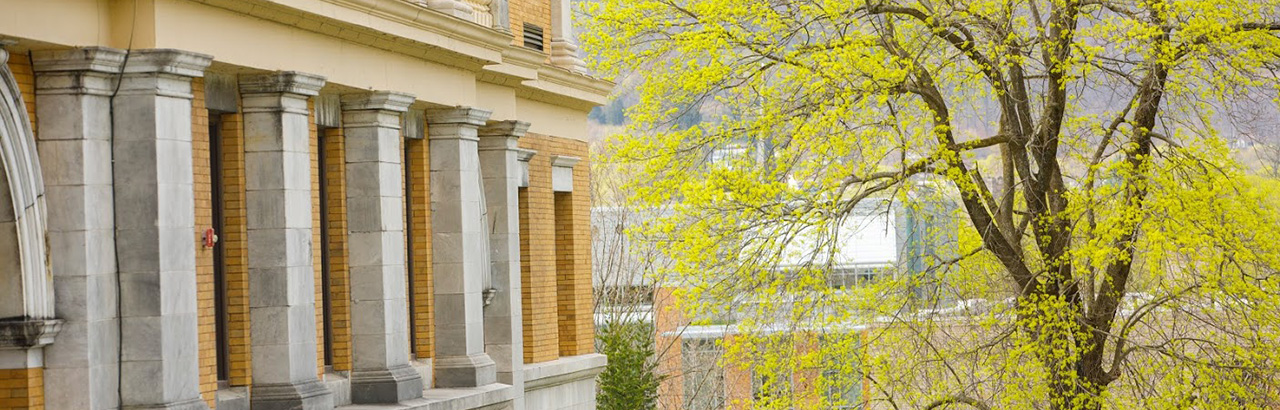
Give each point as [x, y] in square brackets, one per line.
[375, 218]
[500, 165]
[564, 47]
[73, 89]
[282, 319]
[455, 8]
[153, 184]
[458, 241]
[501, 15]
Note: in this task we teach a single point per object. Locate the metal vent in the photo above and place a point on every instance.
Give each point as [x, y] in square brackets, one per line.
[533, 36]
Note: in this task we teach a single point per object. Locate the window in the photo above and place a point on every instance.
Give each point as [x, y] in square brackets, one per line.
[842, 376]
[766, 387]
[704, 384]
[533, 37]
[841, 391]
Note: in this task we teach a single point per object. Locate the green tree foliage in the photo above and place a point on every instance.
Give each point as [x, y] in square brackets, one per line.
[1112, 254]
[628, 382]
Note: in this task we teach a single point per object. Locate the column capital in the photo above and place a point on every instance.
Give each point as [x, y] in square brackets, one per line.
[501, 135]
[457, 115]
[93, 59]
[284, 82]
[508, 128]
[524, 155]
[562, 172]
[564, 161]
[378, 100]
[161, 72]
[4, 54]
[89, 70]
[167, 61]
[25, 334]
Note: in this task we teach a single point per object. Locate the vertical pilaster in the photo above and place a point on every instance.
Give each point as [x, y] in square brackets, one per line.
[501, 15]
[454, 8]
[564, 47]
[375, 215]
[460, 262]
[573, 258]
[281, 275]
[74, 89]
[502, 171]
[157, 266]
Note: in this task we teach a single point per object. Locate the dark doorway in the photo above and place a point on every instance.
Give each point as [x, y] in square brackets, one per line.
[219, 255]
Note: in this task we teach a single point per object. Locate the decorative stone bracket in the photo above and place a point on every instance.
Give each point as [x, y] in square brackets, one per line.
[27, 334]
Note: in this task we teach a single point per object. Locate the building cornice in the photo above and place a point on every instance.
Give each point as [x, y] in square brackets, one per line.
[420, 32]
[414, 30]
[560, 86]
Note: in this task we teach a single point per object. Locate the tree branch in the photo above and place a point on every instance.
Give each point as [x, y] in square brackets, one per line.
[946, 401]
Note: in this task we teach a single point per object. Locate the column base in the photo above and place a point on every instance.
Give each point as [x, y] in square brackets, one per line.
[392, 385]
[451, 7]
[564, 54]
[193, 404]
[307, 395]
[465, 371]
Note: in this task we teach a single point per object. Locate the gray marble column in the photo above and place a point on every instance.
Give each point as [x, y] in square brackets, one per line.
[458, 240]
[73, 90]
[375, 218]
[282, 301]
[154, 230]
[500, 166]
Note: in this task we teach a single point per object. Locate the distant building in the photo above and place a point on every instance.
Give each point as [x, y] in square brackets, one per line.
[294, 204]
[878, 237]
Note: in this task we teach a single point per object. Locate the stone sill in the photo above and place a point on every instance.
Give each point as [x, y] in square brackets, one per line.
[563, 370]
[491, 396]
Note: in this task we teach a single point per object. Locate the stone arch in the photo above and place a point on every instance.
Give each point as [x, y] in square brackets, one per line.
[26, 290]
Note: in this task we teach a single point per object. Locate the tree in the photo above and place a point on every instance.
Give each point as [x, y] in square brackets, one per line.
[629, 381]
[1113, 254]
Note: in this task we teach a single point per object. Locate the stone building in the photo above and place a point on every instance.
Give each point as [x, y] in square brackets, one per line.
[294, 204]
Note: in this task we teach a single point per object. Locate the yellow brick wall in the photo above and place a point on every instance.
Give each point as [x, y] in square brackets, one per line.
[204, 256]
[573, 255]
[573, 271]
[418, 160]
[22, 389]
[20, 65]
[668, 317]
[234, 240]
[317, 266]
[537, 257]
[537, 12]
[555, 255]
[335, 173]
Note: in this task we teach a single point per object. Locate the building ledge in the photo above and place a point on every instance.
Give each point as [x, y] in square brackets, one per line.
[423, 33]
[21, 333]
[394, 25]
[483, 397]
[563, 370]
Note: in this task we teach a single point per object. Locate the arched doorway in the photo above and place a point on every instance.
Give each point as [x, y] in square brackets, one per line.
[26, 291]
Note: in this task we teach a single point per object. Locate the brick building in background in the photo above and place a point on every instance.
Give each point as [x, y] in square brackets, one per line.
[692, 357]
[294, 204]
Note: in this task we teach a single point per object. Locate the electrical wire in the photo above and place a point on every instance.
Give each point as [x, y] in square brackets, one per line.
[115, 206]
